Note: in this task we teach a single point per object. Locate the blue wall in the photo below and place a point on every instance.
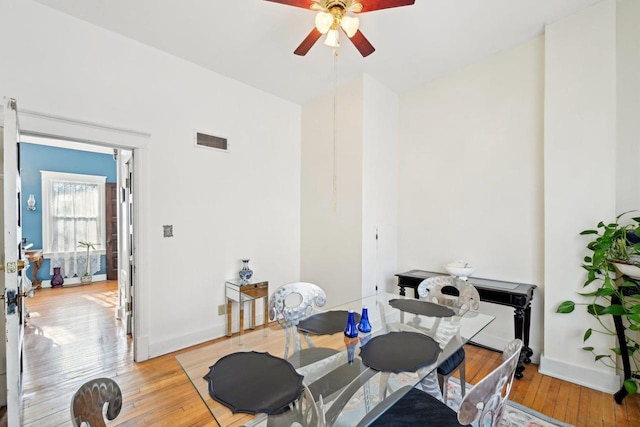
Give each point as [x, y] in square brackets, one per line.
[35, 158]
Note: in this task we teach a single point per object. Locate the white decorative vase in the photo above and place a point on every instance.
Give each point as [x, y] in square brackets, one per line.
[85, 280]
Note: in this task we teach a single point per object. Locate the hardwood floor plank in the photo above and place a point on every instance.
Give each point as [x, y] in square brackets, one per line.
[73, 336]
[543, 395]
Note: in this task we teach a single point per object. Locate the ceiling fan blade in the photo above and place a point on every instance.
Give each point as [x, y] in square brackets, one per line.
[362, 44]
[308, 42]
[371, 5]
[298, 3]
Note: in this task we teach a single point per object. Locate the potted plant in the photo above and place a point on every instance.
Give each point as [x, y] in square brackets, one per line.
[614, 259]
[86, 277]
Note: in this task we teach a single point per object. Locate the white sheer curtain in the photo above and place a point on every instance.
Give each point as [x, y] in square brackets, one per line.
[75, 213]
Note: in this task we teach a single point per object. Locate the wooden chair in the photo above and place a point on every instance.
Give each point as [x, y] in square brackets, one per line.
[484, 402]
[462, 296]
[88, 402]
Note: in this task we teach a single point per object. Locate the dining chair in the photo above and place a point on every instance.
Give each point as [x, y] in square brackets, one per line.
[429, 382]
[484, 402]
[289, 304]
[88, 402]
[463, 296]
[304, 412]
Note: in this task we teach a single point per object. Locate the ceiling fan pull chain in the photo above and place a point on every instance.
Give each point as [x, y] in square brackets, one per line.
[335, 130]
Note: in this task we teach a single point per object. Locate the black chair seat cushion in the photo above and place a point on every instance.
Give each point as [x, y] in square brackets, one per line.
[417, 408]
[307, 356]
[452, 362]
[326, 322]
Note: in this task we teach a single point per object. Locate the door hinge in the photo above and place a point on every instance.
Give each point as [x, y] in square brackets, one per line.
[129, 306]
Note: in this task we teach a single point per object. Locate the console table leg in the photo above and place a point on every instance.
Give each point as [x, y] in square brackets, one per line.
[229, 318]
[518, 322]
[527, 326]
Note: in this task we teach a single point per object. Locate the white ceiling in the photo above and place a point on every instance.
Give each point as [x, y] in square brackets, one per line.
[252, 41]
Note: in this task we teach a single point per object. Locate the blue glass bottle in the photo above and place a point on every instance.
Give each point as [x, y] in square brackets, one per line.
[351, 331]
[364, 326]
[351, 344]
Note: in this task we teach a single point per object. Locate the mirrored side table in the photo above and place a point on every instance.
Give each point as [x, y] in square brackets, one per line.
[236, 291]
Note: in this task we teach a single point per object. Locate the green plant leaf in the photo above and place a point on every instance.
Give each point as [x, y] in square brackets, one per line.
[617, 351]
[587, 334]
[605, 292]
[634, 309]
[602, 356]
[587, 348]
[595, 309]
[627, 285]
[566, 307]
[599, 258]
[591, 278]
[615, 309]
[634, 327]
[585, 232]
[631, 386]
[588, 259]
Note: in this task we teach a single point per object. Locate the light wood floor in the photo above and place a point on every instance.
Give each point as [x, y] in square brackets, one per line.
[73, 336]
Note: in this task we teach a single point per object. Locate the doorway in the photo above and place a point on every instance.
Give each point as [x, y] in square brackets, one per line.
[115, 165]
[127, 142]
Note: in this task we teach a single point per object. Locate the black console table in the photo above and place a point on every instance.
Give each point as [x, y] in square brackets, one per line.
[516, 295]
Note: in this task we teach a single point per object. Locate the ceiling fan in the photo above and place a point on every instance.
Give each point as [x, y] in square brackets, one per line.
[333, 16]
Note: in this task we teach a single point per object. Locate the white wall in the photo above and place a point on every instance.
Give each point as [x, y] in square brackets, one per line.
[470, 177]
[339, 251]
[223, 206]
[331, 209]
[379, 188]
[580, 179]
[628, 105]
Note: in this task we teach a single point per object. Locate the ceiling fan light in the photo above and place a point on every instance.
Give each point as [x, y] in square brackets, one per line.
[350, 25]
[333, 38]
[324, 21]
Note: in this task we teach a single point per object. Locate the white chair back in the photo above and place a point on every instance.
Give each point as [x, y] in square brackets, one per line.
[292, 302]
[485, 401]
[435, 289]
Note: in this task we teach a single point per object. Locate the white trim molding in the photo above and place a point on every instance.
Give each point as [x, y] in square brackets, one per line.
[607, 382]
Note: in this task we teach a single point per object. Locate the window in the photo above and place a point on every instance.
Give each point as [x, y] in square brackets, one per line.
[73, 210]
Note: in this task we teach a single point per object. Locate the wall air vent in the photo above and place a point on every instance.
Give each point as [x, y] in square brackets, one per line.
[209, 141]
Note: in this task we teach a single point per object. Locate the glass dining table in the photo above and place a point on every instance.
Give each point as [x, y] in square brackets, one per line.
[346, 377]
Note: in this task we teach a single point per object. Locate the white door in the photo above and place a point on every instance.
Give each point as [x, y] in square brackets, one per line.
[125, 238]
[12, 262]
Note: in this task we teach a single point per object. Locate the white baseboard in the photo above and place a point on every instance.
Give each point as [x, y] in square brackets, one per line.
[142, 348]
[184, 341]
[499, 343]
[597, 380]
